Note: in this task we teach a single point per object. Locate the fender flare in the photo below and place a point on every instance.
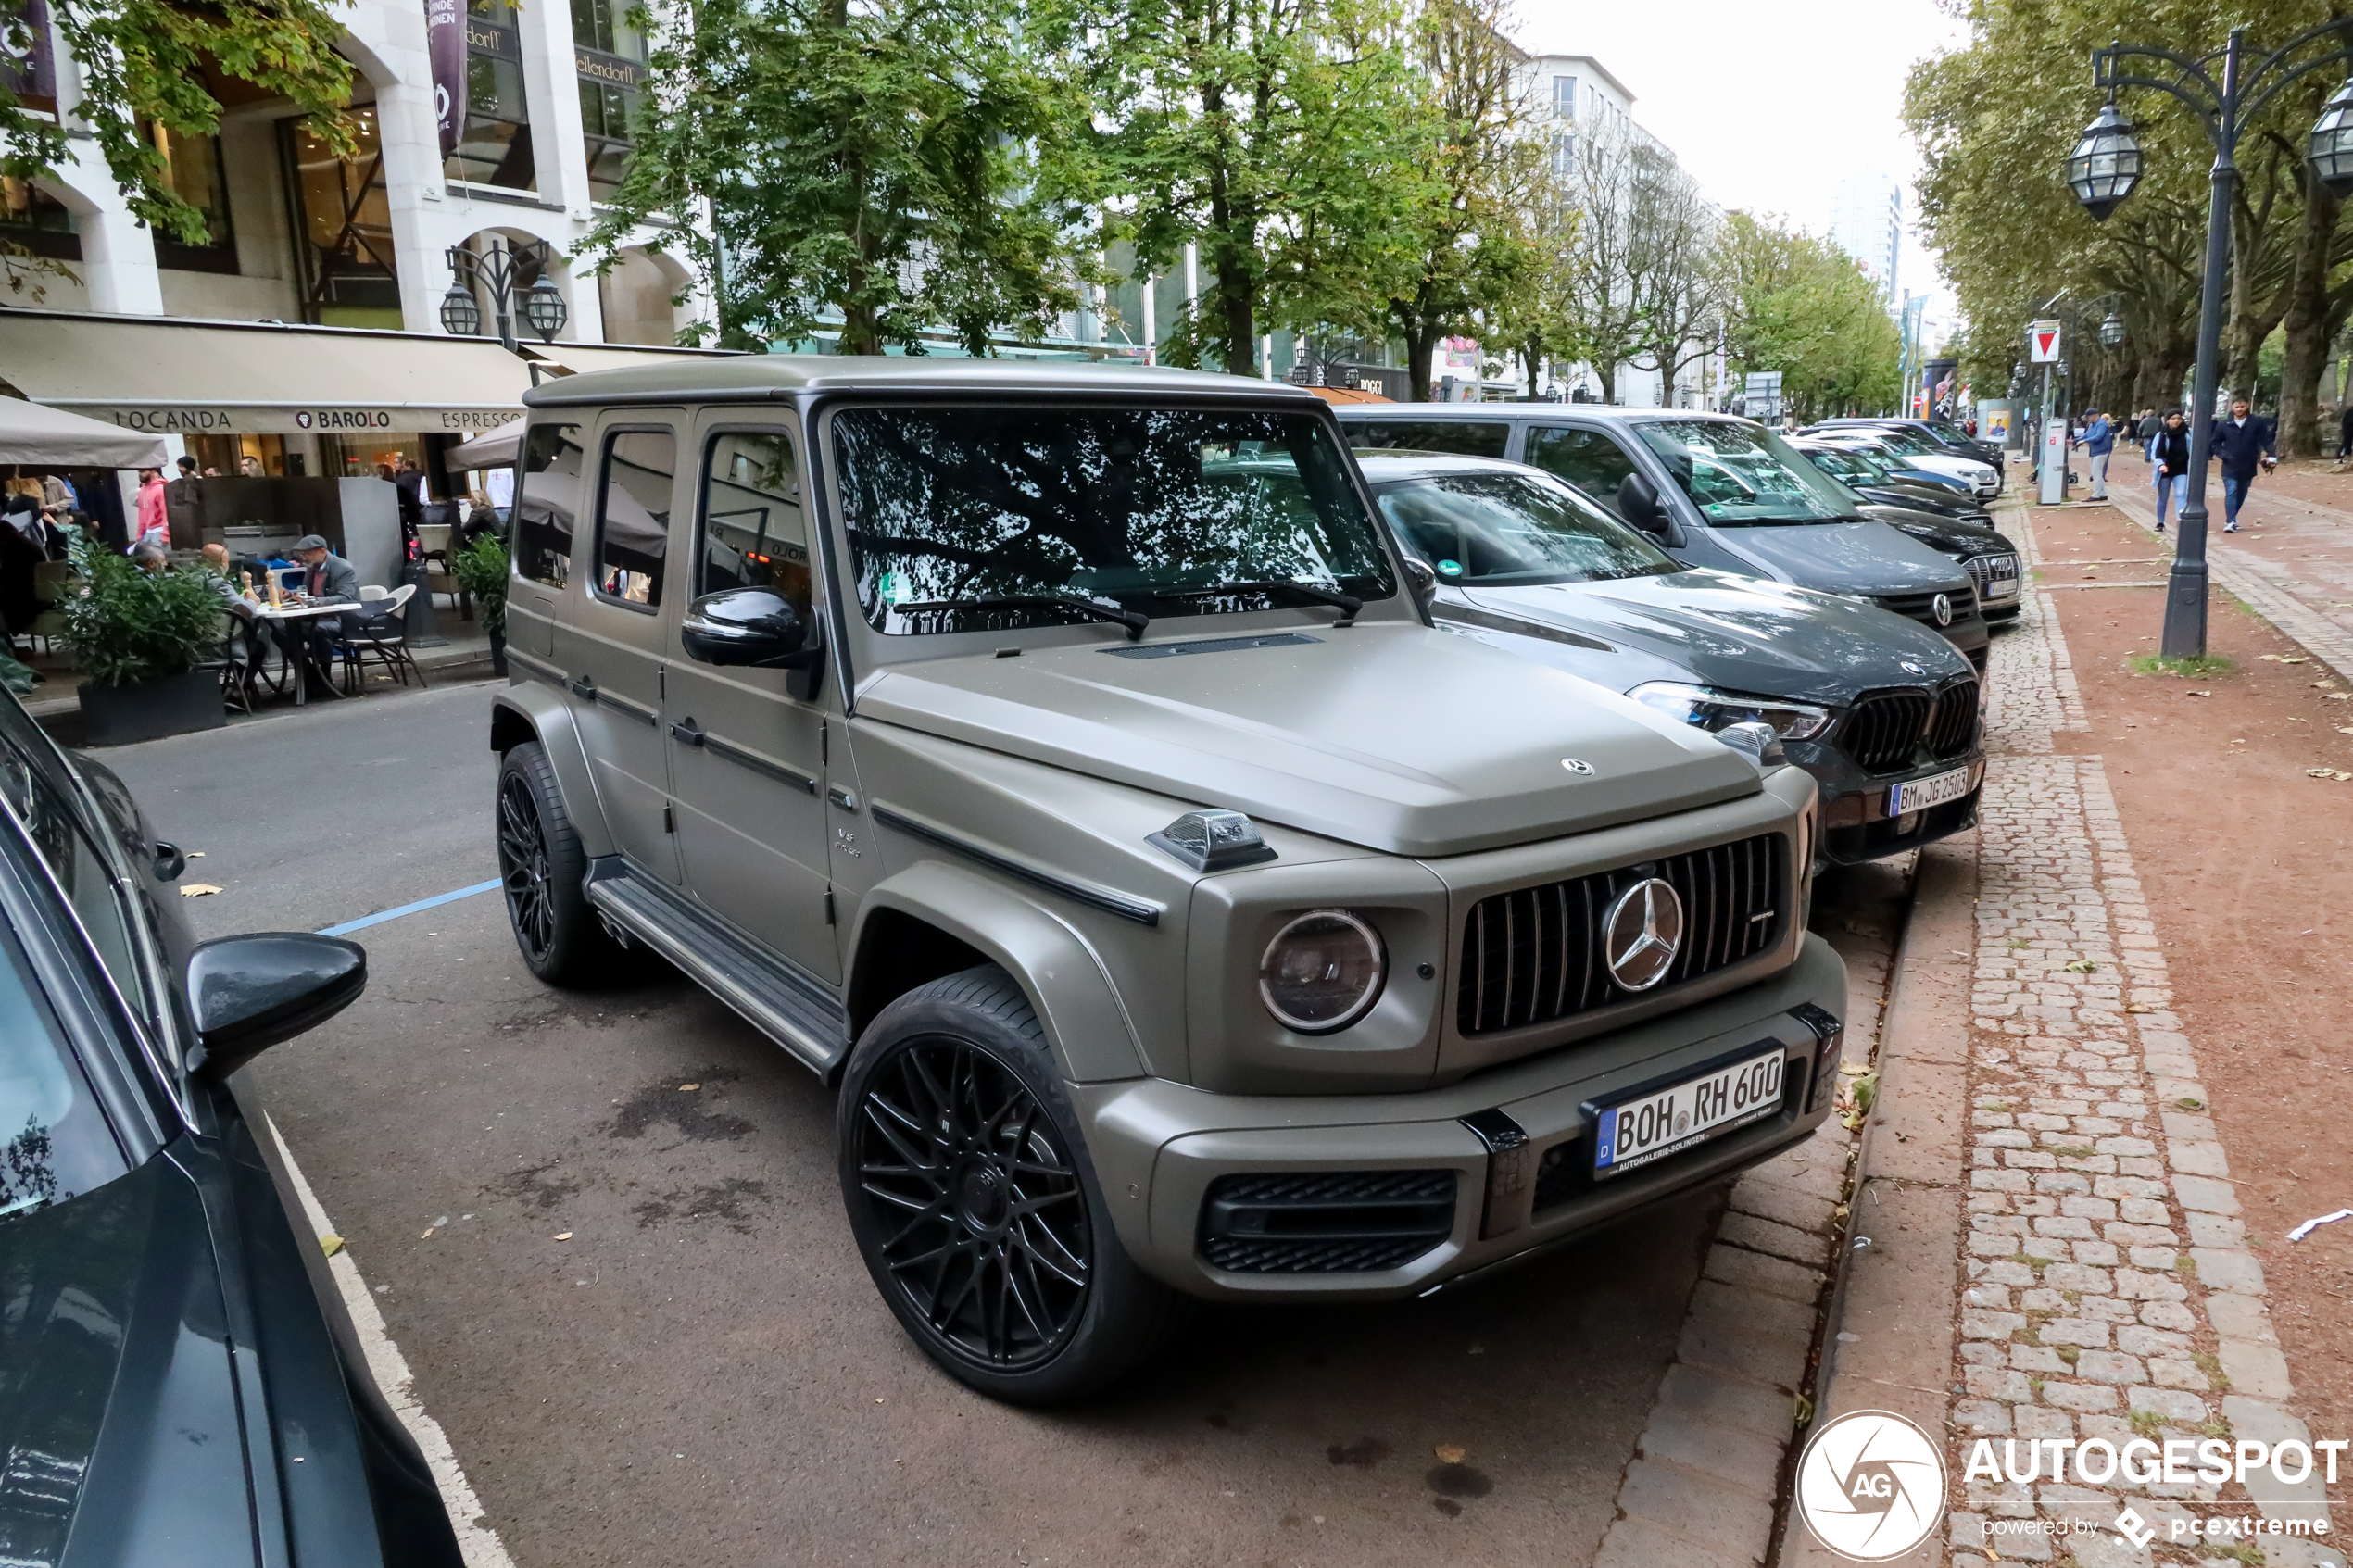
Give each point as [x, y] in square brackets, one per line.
[1069, 988]
[530, 711]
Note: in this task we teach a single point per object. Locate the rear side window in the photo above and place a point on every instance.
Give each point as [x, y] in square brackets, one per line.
[754, 533]
[547, 499]
[1466, 438]
[1587, 459]
[632, 515]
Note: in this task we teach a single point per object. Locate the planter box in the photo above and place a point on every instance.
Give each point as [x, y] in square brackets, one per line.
[173, 706]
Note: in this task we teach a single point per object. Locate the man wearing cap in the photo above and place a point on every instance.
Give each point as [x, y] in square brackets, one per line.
[327, 579]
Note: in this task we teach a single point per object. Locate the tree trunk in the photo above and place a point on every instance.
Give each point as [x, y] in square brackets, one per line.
[2305, 323]
[1607, 372]
[1531, 355]
[1421, 337]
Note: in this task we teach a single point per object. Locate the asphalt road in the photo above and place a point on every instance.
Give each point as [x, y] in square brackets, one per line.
[702, 1372]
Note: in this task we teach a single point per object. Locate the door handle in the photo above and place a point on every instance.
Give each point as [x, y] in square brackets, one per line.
[687, 733]
[583, 686]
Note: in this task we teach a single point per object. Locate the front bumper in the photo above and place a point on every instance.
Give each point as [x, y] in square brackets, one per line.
[1855, 824]
[1158, 1146]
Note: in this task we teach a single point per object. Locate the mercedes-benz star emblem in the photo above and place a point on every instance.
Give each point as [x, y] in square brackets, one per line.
[1941, 606]
[1578, 766]
[1642, 934]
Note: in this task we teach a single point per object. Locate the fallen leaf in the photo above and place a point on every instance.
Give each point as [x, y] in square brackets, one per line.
[2345, 729]
[1853, 1069]
[198, 889]
[2198, 694]
[331, 1245]
[428, 1231]
[2293, 720]
[690, 1089]
[2336, 773]
[563, 1235]
[2294, 659]
[2082, 966]
[1448, 1453]
[2338, 696]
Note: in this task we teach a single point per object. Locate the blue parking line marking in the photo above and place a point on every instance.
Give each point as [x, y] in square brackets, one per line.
[347, 927]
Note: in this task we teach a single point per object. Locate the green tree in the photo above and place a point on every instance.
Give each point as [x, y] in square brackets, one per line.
[877, 170]
[1267, 135]
[1800, 305]
[155, 63]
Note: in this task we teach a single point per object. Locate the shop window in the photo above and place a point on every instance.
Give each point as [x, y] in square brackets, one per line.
[32, 217]
[194, 170]
[608, 56]
[546, 502]
[495, 147]
[633, 517]
[343, 227]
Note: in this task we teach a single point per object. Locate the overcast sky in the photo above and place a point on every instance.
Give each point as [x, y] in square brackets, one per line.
[1767, 105]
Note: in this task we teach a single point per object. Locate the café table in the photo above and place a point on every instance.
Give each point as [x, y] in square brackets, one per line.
[288, 615]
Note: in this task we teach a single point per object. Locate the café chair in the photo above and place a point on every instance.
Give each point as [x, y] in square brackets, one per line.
[380, 634]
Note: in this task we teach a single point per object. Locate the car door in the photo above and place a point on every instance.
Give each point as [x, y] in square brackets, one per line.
[747, 755]
[612, 643]
[1598, 463]
[546, 512]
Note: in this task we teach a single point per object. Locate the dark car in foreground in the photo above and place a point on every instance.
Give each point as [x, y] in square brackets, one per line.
[1710, 490]
[180, 1386]
[1882, 713]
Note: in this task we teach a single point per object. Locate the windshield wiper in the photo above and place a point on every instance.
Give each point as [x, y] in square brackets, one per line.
[1134, 619]
[1346, 603]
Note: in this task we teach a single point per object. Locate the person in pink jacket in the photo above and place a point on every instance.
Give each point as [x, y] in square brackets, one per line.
[153, 524]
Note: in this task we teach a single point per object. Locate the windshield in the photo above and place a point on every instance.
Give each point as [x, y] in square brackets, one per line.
[1740, 474]
[982, 519]
[1903, 438]
[1513, 529]
[55, 1143]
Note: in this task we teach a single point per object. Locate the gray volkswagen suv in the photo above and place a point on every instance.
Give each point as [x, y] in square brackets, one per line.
[1060, 759]
[1713, 491]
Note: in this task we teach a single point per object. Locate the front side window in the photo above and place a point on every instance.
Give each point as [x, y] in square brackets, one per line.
[546, 501]
[632, 515]
[979, 519]
[1742, 474]
[1460, 438]
[754, 532]
[1515, 529]
[1587, 459]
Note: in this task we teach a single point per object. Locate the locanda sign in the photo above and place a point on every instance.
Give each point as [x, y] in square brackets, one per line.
[223, 419]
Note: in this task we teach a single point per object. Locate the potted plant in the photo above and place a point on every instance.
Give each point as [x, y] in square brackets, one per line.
[482, 571]
[143, 640]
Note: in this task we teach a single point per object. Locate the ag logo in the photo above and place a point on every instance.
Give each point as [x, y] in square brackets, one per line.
[1871, 1486]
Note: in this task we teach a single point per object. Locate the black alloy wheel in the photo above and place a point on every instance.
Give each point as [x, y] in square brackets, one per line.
[992, 1247]
[523, 867]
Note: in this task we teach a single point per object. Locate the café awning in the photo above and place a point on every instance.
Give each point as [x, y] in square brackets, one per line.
[491, 450]
[164, 376]
[46, 437]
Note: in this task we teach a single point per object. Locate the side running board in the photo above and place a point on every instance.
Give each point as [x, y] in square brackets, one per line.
[799, 1014]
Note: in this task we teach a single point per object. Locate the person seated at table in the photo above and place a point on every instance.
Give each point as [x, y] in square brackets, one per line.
[150, 558]
[223, 579]
[327, 579]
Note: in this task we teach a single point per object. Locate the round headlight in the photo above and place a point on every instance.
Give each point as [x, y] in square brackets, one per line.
[1322, 972]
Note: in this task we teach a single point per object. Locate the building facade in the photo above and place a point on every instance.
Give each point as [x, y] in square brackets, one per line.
[1867, 222]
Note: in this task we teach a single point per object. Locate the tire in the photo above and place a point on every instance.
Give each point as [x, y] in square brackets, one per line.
[946, 1083]
[562, 939]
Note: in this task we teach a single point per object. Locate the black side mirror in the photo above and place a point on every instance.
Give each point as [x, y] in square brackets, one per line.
[1638, 503]
[248, 992]
[1421, 582]
[758, 628]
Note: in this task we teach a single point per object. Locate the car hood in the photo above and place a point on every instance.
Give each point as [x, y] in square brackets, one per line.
[1950, 535]
[1862, 556]
[1737, 633]
[1390, 734]
[116, 1400]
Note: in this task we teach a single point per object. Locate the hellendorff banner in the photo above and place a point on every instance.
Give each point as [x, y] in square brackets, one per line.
[445, 47]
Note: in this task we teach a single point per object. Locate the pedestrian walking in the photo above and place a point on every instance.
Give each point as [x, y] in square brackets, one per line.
[2098, 440]
[2169, 453]
[154, 524]
[2244, 443]
[2345, 432]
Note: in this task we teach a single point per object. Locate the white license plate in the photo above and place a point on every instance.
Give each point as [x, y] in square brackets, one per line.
[1665, 1120]
[2001, 577]
[1922, 793]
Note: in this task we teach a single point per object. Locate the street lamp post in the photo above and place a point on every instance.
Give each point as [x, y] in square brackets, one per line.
[496, 271]
[2226, 94]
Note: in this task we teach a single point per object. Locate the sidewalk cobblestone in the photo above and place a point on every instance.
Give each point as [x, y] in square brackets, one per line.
[2111, 1292]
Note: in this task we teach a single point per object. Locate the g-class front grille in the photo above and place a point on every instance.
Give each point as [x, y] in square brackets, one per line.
[1325, 1221]
[1884, 728]
[1953, 727]
[1536, 954]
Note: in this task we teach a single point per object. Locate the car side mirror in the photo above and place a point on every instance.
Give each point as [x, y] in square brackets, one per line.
[1421, 582]
[755, 628]
[1638, 503]
[248, 992]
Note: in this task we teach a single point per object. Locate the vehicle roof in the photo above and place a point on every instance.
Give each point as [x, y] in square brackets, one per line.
[1476, 412]
[781, 376]
[1387, 465]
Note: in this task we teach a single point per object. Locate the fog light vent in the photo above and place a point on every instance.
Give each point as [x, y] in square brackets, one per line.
[1325, 1221]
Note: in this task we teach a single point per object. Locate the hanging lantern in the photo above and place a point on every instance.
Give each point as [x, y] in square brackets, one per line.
[2105, 164]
